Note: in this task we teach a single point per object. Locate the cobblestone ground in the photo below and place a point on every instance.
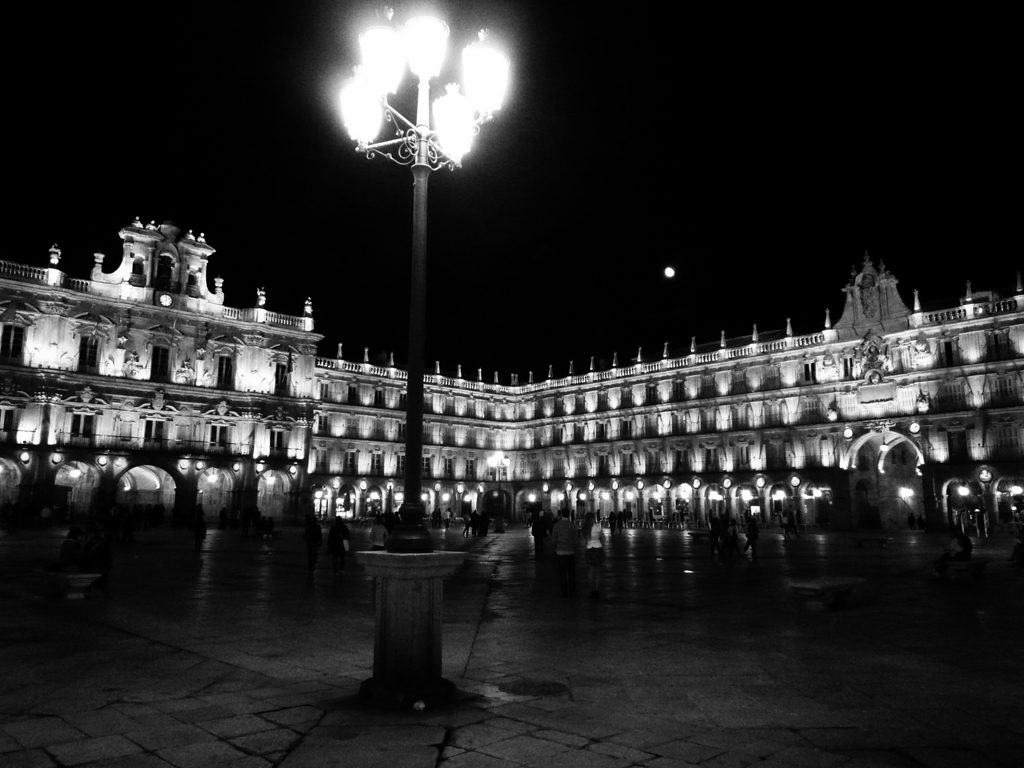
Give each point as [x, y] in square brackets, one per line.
[235, 658]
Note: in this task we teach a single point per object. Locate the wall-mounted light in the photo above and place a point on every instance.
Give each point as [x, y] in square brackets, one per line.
[236, 466]
[848, 433]
[57, 458]
[727, 483]
[200, 465]
[183, 464]
[545, 488]
[914, 427]
[906, 493]
[779, 495]
[666, 484]
[963, 490]
[590, 486]
[639, 485]
[531, 498]
[293, 469]
[696, 483]
[760, 482]
[362, 485]
[119, 461]
[102, 461]
[794, 481]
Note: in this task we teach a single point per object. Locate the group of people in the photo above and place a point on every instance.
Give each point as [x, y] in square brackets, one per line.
[338, 543]
[85, 551]
[567, 539]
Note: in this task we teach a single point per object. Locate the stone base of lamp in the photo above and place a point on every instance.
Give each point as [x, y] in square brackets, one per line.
[407, 637]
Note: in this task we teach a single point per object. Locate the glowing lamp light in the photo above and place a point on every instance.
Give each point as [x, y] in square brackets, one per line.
[963, 490]
[362, 485]
[1017, 490]
[779, 495]
[102, 461]
[545, 488]
[75, 473]
[696, 482]
[727, 483]
[57, 458]
[236, 466]
[269, 479]
[915, 428]
[293, 469]
[383, 51]
[361, 110]
[794, 481]
[615, 485]
[590, 486]
[629, 496]
[669, 272]
[848, 433]
[119, 461]
[200, 465]
[568, 487]
[425, 41]
[760, 482]
[453, 116]
[816, 493]
[666, 484]
[746, 495]
[640, 485]
[437, 486]
[183, 464]
[485, 73]
[531, 498]
[318, 495]
[605, 495]
[461, 488]
[480, 488]
[583, 496]
[714, 496]
[336, 484]
[374, 496]
[906, 493]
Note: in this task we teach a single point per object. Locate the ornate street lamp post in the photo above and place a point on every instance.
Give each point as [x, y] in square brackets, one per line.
[409, 576]
[385, 51]
[499, 462]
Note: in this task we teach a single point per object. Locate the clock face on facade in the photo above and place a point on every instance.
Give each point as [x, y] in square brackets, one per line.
[165, 300]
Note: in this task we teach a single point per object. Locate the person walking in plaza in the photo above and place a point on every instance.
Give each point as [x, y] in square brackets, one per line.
[338, 544]
[467, 521]
[314, 539]
[715, 536]
[564, 536]
[378, 534]
[539, 530]
[753, 534]
[199, 530]
[593, 538]
[732, 538]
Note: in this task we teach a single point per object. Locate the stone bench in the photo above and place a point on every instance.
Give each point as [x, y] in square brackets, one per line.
[71, 586]
[828, 592]
[879, 541]
[975, 567]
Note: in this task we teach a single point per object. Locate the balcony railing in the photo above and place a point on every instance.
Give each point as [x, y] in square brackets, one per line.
[140, 443]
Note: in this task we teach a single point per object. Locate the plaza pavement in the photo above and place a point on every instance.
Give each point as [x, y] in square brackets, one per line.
[237, 659]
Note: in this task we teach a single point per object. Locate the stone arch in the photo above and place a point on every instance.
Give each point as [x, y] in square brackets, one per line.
[146, 484]
[82, 479]
[888, 439]
[215, 490]
[273, 492]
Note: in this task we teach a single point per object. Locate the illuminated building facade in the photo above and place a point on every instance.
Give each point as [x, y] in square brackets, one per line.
[139, 385]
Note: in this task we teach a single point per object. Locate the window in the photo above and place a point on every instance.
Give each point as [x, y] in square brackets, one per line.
[773, 414]
[153, 432]
[847, 367]
[425, 466]
[377, 464]
[124, 431]
[353, 394]
[378, 398]
[652, 394]
[775, 456]
[603, 466]
[6, 419]
[277, 439]
[471, 468]
[602, 430]
[678, 391]
[627, 463]
[184, 434]
[578, 433]
[1004, 391]
[743, 457]
[710, 459]
[219, 436]
[449, 466]
[707, 385]
[160, 365]
[349, 466]
[12, 343]
[950, 354]
[957, 442]
[738, 384]
[682, 459]
[810, 373]
[225, 372]
[88, 355]
[401, 465]
[401, 430]
[810, 411]
[82, 425]
[402, 399]
[558, 466]
[999, 347]
[626, 428]
[772, 377]
[281, 379]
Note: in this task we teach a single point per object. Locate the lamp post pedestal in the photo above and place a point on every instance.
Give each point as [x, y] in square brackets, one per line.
[407, 635]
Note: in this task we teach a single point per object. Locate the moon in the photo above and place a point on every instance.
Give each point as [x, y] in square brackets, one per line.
[669, 272]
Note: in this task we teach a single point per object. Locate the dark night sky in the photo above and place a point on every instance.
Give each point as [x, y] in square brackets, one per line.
[760, 156]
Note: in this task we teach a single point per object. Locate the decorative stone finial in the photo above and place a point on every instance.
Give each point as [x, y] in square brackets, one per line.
[969, 295]
[137, 223]
[307, 309]
[1020, 285]
[722, 342]
[551, 370]
[753, 336]
[202, 237]
[339, 352]
[54, 255]
[495, 377]
[639, 355]
[218, 285]
[615, 359]
[391, 359]
[664, 350]
[789, 327]
[437, 367]
[366, 354]
[531, 377]
[917, 300]
[458, 370]
[828, 319]
[571, 371]
[261, 297]
[480, 374]
[693, 345]
[591, 363]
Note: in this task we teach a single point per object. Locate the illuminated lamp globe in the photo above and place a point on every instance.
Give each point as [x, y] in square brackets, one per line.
[383, 51]
[669, 272]
[485, 75]
[361, 110]
[426, 39]
[453, 118]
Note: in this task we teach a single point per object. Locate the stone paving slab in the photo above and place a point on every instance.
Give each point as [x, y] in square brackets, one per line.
[236, 659]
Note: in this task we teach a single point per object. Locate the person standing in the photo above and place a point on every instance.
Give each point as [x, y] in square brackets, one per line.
[338, 544]
[378, 534]
[539, 530]
[732, 538]
[593, 537]
[715, 536]
[753, 534]
[199, 530]
[563, 534]
[314, 539]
